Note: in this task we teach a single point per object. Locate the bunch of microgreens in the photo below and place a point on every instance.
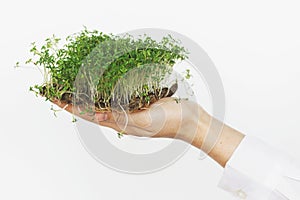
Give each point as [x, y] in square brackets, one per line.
[98, 61]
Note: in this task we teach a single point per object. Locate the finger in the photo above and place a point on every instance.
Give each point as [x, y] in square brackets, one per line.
[113, 126]
[75, 110]
[141, 119]
[101, 116]
[162, 101]
[63, 105]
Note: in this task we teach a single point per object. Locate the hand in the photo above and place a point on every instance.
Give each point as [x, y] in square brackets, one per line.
[168, 117]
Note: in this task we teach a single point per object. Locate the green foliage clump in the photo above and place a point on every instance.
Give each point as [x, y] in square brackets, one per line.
[90, 65]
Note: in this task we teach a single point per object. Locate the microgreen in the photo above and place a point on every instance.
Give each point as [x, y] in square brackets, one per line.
[120, 135]
[100, 62]
[188, 74]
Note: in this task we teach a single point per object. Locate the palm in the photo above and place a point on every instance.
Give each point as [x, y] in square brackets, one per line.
[162, 119]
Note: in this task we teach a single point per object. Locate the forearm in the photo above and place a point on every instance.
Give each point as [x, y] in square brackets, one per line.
[225, 145]
[225, 139]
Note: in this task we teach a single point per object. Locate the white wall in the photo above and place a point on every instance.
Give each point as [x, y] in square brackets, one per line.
[255, 46]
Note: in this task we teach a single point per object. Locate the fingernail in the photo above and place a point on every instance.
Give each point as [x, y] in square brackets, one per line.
[105, 116]
[101, 117]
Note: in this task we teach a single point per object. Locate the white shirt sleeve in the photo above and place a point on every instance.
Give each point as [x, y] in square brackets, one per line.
[257, 171]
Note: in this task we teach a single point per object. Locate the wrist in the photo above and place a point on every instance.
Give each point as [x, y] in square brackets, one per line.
[196, 125]
[225, 145]
[213, 137]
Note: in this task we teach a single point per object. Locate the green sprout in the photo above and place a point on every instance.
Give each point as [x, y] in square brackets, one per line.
[120, 135]
[188, 74]
[74, 119]
[178, 99]
[55, 111]
[17, 64]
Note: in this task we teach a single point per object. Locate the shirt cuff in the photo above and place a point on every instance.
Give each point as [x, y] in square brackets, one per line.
[254, 170]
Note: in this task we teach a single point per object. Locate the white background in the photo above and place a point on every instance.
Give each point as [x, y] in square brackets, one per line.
[255, 46]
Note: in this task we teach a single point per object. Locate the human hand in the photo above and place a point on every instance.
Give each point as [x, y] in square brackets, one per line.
[168, 117]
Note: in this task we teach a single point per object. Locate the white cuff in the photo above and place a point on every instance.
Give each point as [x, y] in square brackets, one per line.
[255, 170]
